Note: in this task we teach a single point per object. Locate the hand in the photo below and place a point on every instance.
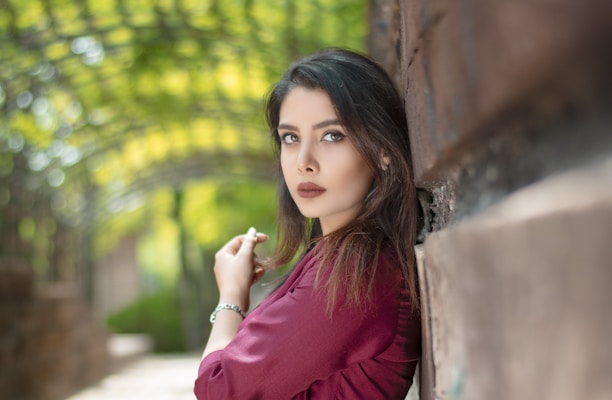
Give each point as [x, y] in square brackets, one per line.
[235, 268]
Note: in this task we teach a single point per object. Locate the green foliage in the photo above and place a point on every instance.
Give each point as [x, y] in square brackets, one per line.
[155, 314]
[108, 109]
[110, 100]
[216, 211]
[158, 251]
[212, 212]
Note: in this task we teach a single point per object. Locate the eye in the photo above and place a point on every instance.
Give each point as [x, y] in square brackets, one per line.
[288, 138]
[333, 136]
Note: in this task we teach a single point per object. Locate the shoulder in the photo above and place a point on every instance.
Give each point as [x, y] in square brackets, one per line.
[387, 269]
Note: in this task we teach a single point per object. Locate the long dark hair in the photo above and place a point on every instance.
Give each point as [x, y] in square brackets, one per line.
[370, 108]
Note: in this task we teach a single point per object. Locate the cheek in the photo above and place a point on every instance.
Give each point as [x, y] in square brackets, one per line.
[285, 165]
[353, 166]
[365, 180]
[363, 174]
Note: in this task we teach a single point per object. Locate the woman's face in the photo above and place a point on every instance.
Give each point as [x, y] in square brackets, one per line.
[326, 176]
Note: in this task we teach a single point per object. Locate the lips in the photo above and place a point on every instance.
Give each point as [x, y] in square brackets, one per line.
[309, 190]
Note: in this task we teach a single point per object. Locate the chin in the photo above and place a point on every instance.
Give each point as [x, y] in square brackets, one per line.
[307, 214]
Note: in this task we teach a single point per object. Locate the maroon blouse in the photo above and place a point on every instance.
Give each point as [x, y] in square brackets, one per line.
[290, 348]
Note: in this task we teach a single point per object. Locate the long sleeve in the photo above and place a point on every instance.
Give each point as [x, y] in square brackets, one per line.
[290, 342]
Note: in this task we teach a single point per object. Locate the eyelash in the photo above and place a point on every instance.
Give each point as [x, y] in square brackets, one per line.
[293, 137]
[339, 136]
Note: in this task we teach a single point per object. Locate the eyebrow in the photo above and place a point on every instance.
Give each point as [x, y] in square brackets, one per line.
[319, 125]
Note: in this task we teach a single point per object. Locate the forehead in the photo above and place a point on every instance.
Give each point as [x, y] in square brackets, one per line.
[306, 104]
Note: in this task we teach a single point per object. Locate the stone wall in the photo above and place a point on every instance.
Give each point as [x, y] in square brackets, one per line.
[509, 114]
[51, 344]
[518, 296]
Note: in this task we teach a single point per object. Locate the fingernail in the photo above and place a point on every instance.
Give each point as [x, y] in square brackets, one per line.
[251, 232]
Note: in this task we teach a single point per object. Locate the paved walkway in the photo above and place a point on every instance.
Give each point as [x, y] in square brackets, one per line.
[153, 377]
[142, 375]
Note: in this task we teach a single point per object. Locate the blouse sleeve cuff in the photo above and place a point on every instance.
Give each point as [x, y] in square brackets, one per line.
[209, 360]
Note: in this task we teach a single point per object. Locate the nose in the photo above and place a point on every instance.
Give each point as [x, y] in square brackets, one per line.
[307, 160]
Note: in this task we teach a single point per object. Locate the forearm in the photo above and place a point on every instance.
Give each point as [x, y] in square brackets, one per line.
[234, 272]
[223, 331]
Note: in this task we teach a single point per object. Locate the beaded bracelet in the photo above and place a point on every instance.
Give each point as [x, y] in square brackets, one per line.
[220, 307]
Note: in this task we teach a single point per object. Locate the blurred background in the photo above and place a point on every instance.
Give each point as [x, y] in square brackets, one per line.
[132, 146]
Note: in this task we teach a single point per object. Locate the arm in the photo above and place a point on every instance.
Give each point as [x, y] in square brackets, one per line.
[235, 274]
[282, 349]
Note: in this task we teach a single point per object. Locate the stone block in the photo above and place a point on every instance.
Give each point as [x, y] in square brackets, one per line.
[518, 298]
[470, 65]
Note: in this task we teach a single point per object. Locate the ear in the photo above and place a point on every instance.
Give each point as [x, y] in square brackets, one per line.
[384, 162]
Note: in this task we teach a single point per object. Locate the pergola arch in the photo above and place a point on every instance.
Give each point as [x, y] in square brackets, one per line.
[102, 100]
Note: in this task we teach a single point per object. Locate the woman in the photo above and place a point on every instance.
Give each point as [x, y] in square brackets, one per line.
[344, 324]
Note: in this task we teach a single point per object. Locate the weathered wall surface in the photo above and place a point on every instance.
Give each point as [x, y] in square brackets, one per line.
[51, 344]
[509, 107]
[518, 297]
[471, 68]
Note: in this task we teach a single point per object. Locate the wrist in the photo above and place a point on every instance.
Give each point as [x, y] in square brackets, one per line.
[240, 299]
[226, 306]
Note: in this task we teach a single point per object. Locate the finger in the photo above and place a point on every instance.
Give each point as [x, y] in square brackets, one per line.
[249, 241]
[251, 232]
[262, 237]
[258, 273]
[233, 246]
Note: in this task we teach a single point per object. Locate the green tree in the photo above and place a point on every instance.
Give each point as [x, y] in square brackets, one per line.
[113, 111]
